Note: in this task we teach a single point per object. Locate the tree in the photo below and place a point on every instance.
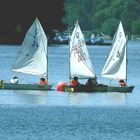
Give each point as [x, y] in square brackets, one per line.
[73, 14]
[136, 26]
[110, 26]
[95, 15]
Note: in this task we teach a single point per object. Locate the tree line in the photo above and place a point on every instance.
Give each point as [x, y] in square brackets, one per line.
[104, 15]
[16, 16]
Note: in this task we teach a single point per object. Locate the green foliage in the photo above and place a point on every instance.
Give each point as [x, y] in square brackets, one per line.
[110, 26]
[136, 26]
[73, 14]
[104, 15]
[18, 29]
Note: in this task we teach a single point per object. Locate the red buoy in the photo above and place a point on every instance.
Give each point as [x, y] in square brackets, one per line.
[60, 85]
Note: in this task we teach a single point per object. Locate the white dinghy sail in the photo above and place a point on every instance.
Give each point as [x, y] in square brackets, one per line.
[116, 64]
[80, 63]
[32, 58]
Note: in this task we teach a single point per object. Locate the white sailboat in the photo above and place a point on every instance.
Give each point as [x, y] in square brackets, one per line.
[116, 64]
[80, 64]
[32, 58]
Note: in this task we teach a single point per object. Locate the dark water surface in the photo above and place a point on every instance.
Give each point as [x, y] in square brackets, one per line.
[69, 123]
[43, 115]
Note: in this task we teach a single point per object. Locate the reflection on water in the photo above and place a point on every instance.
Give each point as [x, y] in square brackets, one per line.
[54, 98]
[97, 99]
[23, 97]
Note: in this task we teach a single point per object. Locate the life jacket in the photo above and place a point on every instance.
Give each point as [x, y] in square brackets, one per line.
[122, 84]
[74, 83]
[43, 82]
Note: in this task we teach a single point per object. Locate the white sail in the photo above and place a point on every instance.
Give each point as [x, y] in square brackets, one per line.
[115, 66]
[80, 64]
[32, 57]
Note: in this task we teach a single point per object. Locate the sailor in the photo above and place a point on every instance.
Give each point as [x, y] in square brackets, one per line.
[14, 80]
[91, 82]
[122, 83]
[43, 81]
[74, 81]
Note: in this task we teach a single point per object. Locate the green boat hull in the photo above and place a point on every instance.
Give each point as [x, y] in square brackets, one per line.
[120, 89]
[99, 88]
[12, 86]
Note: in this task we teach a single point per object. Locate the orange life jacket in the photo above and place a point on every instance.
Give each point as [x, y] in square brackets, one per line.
[74, 83]
[43, 82]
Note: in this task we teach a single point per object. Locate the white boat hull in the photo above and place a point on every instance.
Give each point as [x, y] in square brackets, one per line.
[12, 86]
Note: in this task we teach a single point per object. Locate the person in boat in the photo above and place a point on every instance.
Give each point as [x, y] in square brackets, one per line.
[14, 80]
[91, 82]
[43, 81]
[74, 81]
[122, 83]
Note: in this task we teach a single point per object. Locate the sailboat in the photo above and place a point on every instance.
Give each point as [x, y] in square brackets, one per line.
[116, 64]
[79, 62]
[32, 58]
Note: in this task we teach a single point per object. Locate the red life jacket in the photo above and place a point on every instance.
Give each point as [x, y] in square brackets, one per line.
[74, 83]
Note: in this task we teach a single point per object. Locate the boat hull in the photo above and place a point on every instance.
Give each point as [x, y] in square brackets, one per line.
[99, 88]
[1, 84]
[120, 89]
[84, 88]
[13, 86]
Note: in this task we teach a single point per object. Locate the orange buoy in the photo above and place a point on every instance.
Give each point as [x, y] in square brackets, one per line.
[60, 85]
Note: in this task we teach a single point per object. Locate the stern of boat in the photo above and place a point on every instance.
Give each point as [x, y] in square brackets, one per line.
[1, 84]
[120, 89]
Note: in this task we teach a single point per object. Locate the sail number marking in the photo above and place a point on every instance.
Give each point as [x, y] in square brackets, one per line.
[35, 42]
[78, 51]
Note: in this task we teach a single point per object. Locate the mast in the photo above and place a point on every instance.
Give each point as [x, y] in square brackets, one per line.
[126, 56]
[47, 57]
[69, 60]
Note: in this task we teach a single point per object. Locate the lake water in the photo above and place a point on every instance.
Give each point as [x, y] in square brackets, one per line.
[44, 115]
